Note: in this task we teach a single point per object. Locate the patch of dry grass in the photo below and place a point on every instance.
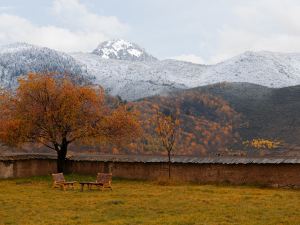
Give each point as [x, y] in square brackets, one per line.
[33, 201]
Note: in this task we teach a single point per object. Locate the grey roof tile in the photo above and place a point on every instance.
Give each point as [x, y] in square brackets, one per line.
[157, 159]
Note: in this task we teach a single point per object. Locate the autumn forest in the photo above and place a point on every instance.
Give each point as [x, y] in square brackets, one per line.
[52, 112]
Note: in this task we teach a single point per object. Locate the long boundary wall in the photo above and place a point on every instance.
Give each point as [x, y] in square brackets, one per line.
[27, 168]
[285, 174]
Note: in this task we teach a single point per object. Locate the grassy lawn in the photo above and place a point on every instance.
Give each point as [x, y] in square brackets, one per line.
[33, 201]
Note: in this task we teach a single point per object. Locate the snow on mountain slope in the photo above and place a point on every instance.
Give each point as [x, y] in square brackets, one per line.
[264, 68]
[20, 58]
[123, 50]
[130, 74]
[133, 80]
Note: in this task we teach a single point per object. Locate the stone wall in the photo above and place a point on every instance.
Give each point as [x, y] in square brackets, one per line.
[258, 174]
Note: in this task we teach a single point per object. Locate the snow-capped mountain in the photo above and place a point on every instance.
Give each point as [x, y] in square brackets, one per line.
[134, 80]
[123, 50]
[265, 68]
[20, 58]
[122, 71]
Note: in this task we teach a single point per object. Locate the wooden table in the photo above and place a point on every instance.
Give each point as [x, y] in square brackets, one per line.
[89, 185]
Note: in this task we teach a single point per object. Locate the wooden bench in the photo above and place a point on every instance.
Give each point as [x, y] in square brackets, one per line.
[59, 181]
[103, 180]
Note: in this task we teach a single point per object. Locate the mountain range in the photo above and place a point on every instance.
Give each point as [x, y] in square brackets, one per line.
[264, 87]
[127, 70]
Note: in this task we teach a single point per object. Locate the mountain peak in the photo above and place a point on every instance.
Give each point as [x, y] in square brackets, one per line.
[122, 50]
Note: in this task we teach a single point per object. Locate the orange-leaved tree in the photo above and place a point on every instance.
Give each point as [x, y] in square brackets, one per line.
[55, 111]
[167, 128]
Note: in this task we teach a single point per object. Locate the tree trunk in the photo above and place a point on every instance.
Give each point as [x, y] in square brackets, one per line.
[61, 158]
[169, 163]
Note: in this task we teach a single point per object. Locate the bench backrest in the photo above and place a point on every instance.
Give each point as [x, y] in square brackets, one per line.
[104, 178]
[58, 177]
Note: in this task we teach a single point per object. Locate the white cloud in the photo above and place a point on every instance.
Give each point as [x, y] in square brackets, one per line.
[271, 25]
[189, 58]
[80, 29]
[256, 25]
[75, 16]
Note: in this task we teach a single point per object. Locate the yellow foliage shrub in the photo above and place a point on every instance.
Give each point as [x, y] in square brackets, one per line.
[260, 143]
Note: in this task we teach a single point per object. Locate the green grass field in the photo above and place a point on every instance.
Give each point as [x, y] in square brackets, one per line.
[33, 201]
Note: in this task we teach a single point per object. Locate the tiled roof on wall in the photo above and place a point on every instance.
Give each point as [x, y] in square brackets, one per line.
[156, 159]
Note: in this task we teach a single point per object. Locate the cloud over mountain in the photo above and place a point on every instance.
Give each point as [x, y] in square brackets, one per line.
[78, 28]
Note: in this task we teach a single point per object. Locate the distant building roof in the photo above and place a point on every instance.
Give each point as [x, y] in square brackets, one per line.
[157, 159]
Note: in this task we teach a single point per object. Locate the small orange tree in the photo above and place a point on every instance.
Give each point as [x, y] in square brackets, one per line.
[167, 129]
[208, 124]
[54, 111]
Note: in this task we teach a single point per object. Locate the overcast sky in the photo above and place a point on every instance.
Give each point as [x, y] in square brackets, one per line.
[203, 31]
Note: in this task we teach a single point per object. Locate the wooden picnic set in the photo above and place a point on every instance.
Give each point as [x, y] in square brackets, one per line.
[103, 180]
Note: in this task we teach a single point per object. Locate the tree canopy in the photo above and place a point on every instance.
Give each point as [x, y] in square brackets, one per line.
[55, 111]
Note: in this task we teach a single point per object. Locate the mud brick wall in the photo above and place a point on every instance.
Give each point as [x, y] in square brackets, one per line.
[258, 174]
[26, 168]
